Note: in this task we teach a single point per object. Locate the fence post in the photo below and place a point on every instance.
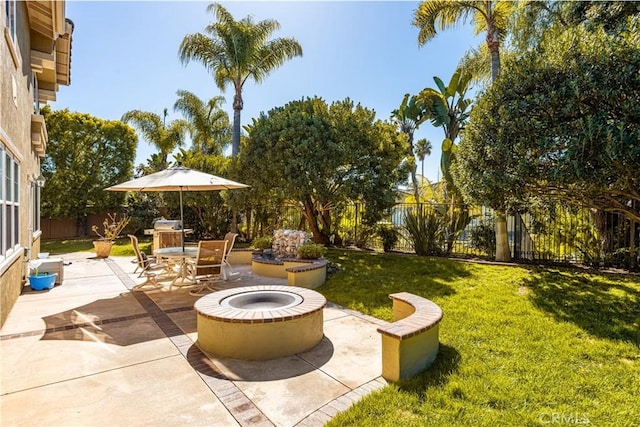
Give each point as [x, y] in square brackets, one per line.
[517, 235]
[632, 245]
[355, 227]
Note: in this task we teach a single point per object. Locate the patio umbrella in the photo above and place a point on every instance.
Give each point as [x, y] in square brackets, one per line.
[178, 178]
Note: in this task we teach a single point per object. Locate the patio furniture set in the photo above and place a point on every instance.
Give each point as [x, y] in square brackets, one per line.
[201, 265]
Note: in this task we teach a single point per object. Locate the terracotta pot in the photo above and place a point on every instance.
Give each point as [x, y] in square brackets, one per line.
[103, 248]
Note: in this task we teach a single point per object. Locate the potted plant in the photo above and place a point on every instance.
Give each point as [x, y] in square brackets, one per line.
[112, 227]
[40, 281]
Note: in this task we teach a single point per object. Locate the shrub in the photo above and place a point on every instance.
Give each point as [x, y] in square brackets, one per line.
[263, 242]
[365, 236]
[425, 232]
[389, 237]
[142, 208]
[311, 251]
[483, 238]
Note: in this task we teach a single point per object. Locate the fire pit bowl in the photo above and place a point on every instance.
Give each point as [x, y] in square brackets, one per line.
[260, 322]
[262, 300]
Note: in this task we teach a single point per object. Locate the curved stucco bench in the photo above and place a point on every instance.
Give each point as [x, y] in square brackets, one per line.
[304, 273]
[410, 344]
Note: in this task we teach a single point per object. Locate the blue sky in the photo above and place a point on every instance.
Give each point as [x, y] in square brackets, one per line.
[125, 57]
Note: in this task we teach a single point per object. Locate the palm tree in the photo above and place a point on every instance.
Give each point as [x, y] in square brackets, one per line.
[423, 149]
[490, 16]
[408, 118]
[234, 51]
[210, 129]
[154, 130]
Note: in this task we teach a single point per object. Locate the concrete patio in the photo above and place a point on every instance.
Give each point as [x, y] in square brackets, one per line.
[90, 352]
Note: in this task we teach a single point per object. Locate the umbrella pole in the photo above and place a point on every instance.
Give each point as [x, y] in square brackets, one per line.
[182, 219]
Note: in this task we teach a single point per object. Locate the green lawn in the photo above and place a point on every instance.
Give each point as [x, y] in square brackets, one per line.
[518, 346]
[121, 247]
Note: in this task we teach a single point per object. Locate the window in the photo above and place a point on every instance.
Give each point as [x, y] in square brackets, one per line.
[9, 204]
[34, 87]
[35, 208]
[10, 13]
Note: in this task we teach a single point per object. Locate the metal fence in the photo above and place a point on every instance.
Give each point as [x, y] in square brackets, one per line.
[553, 233]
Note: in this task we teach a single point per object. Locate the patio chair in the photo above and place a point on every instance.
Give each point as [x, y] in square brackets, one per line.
[208, 265]
[150, 269]
[230, 238]
[136, 260]
[169, 239]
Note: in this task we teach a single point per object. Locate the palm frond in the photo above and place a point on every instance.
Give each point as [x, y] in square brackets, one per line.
[272, 55]
[263, 30]
[477, 63]
[148, 124]
[434, 15]
[222, 15]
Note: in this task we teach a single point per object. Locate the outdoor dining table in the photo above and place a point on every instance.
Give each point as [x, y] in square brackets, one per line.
[179, 255]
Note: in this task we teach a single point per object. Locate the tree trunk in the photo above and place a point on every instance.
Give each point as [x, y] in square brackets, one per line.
[416, 188]
[312, 220]
[493, 44]
[503, 253]
[81, 226]
[414, 179]
[235, 146]
[632, 245]
[248, 214]
[234, 222]
[235, 139]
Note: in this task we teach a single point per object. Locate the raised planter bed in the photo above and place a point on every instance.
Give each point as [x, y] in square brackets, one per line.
[304, 273]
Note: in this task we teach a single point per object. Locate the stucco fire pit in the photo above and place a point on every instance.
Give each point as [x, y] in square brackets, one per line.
[260, 322]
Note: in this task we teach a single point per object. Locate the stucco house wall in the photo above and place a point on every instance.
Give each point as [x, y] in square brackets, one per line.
[29, 53]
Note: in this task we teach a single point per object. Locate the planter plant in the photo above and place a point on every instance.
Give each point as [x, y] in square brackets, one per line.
[112, 227]
[311, 251]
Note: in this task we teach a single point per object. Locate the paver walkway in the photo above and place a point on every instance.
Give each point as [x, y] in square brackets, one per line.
[91, 352]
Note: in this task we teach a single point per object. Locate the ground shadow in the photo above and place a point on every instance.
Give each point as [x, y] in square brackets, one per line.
[118, 320]
[436, 375]
[264, 370]
[595, 304]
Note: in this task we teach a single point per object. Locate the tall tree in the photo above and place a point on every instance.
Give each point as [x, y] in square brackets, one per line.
[322, 156]
[491, 17]
[448, 108]
[206, 211]
[85, 155]
[423, 149]
[567, 126]
[408, 118]
[235, 51]
[611, 15]
[155, 131]
[209, 124]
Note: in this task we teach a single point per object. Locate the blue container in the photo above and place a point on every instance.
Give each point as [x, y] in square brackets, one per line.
[39, 282]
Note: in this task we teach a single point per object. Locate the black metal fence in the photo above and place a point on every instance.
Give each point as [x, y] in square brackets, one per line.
[553, 233]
